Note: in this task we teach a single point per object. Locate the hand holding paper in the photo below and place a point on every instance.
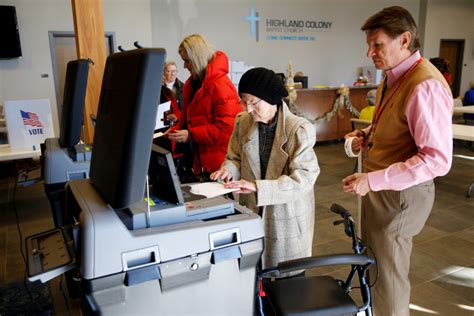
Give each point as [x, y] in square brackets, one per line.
[160, 114]
[223, 175]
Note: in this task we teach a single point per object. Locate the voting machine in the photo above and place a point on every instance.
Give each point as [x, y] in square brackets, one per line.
[136, 246]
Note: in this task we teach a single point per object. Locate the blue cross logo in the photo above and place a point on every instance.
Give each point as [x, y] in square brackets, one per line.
[253, 18]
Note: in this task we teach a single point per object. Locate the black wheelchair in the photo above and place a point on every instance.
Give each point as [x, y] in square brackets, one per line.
[318, 295]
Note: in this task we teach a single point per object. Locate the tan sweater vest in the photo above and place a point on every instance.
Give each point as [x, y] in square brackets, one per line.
[392, 141]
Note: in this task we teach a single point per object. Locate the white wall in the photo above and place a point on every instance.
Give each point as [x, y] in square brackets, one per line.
[332, 59]
[130, 20]
[451, 19]
[20, 78]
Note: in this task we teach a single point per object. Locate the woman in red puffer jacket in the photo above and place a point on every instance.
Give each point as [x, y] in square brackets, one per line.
[210, 105]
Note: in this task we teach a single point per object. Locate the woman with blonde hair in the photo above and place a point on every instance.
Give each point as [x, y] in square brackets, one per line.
[210, 105]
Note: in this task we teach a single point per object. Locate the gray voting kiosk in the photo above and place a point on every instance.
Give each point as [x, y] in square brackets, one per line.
[137, 253]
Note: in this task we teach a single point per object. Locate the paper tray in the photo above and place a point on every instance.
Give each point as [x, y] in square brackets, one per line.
[48, 255]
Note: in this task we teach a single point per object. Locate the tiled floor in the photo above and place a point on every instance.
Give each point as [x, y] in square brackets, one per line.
[442, 271]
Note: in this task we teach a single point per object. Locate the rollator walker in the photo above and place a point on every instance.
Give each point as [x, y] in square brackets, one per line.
[318, 295]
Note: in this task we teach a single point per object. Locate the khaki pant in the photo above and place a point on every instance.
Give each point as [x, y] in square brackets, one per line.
[390, 220]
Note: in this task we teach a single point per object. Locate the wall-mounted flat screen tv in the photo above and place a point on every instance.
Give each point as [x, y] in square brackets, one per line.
[10, 46]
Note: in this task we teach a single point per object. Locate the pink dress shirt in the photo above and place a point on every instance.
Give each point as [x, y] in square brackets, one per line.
[429, 114]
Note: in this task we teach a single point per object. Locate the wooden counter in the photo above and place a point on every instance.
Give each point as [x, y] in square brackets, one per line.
[320, 101]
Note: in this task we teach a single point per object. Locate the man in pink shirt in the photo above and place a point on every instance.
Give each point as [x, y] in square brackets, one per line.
[408, 144]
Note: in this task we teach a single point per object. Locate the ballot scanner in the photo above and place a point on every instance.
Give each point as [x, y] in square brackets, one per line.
[135, 246]
[66, 158]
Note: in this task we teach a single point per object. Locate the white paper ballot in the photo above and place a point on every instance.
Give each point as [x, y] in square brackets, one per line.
[210, 189]
[156, 135]
[162, 108]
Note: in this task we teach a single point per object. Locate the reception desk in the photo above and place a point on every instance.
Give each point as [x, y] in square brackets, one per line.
[320, 101]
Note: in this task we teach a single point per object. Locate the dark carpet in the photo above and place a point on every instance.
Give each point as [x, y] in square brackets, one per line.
[15, 300]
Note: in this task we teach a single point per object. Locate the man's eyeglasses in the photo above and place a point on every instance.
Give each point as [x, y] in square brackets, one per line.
[248, 103]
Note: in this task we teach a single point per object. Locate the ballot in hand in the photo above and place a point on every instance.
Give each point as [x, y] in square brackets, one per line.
[172, 119]
[165, 119]
[222, 175]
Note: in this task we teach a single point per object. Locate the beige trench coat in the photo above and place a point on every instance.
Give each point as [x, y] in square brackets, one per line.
[287, 192]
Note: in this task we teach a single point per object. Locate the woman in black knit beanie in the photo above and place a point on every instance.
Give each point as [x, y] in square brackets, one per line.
[271, 161]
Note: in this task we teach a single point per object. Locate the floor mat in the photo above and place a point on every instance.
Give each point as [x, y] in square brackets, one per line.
[15, 300]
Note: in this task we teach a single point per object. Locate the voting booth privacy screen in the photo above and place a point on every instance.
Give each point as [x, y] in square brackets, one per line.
[125, 122]
[29, 123]
[73, 102]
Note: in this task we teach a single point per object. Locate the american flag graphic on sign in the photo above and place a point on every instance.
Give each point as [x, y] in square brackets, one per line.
[30, 118]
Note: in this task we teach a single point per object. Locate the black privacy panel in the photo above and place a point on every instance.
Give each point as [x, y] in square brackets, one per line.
[73, 102]
[125, 124]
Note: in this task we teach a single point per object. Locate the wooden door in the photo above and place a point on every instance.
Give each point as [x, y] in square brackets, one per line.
[453, 51]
